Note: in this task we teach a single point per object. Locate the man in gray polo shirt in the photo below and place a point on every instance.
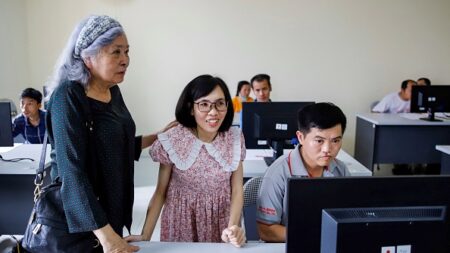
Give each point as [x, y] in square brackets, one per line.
[320, 130]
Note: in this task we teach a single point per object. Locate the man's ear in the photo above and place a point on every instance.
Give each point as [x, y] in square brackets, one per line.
[300, 137]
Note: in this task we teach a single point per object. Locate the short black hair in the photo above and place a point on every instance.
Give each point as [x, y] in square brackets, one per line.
[33, 94]
[199, 87]
[426, 80]
[405, 83]
[240, 85]
[321, 116]
[260, 78]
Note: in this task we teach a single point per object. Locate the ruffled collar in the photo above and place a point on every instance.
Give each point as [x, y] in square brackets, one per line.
[183, 147]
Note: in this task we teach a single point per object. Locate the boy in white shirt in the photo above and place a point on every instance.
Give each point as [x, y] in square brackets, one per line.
[398, 102]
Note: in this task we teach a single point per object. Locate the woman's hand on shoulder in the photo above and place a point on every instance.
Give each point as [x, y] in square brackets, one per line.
[148, 140]
[171, 124]
[234, 235]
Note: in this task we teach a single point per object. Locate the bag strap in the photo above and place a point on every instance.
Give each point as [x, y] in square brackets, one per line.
[40, 170]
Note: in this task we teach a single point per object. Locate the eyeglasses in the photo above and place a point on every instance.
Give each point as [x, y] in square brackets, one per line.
[206, 106]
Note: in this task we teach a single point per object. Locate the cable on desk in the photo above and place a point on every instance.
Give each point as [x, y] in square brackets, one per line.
[14, 160]
[17, 244]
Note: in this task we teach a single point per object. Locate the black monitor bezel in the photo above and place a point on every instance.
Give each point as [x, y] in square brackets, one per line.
[441, 91]
[311, 195]
[6, 138]
[250, 109]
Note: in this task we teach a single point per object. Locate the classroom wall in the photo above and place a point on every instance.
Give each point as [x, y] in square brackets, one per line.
[14, 70]
[350, 52]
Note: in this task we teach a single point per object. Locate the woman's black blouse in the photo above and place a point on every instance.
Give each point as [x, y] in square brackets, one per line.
[115, 147]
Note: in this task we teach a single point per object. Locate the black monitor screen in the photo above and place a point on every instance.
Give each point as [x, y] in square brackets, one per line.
[430, 99]
[308, 198]
[266, 124]
[6, 139]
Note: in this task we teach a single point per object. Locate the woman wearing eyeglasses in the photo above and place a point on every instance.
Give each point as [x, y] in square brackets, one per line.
[200, 174]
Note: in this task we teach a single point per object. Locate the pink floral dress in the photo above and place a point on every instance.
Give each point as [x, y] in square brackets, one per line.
[197, 206]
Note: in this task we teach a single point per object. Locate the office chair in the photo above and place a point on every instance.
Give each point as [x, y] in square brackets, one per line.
[251, 189]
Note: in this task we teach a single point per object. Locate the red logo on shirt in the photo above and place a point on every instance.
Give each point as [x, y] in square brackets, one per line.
[267, 210]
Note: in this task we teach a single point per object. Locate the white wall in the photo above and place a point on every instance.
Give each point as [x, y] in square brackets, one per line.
[14, 71]
[350, 52]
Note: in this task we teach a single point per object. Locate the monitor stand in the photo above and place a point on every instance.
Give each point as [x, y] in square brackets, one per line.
[431, 117]
[269, 160]
[277, 147]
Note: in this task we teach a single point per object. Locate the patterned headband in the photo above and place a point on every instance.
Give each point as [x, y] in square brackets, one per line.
[94, 27]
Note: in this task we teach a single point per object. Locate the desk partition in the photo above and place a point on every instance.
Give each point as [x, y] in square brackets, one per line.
[398, 138]
[445, 158]
[17, 186]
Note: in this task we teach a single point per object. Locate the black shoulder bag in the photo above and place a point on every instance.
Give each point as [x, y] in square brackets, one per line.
[47, 229]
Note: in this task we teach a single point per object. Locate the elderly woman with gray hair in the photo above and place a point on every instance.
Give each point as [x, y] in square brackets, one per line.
[96, 170]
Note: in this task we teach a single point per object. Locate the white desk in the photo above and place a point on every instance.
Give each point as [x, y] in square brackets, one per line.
[405, 119]
[254, 165]
[17, 186]
[445, 158]
[196, 247]
[398, 138]
[25, 167]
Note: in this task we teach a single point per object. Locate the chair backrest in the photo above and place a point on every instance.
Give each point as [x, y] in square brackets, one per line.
[251, 190]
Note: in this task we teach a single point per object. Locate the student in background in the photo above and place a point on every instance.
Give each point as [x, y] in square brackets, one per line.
[261, 87]
[200, 175]
[320, 131]
[31, 123]
[423, 81]
[242, 95]
[396, 102]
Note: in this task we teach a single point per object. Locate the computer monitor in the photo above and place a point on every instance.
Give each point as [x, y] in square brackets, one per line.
[307, 198]
[430, 99]
[6, 139]
[270, 125]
